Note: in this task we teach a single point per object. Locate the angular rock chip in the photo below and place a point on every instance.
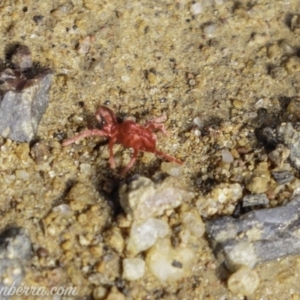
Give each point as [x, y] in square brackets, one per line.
[255, 199]
[15, 250]
[24, 95]
[143, 199]
[256, 237]
[290, 136]
[283, 176]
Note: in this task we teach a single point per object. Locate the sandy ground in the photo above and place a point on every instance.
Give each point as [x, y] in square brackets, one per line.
[143, 59]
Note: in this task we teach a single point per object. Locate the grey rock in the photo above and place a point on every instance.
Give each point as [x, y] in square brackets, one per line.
[15, 250]
[290, 137]
[283, 176]
[24, 96]
[256, 237]
[255, 199]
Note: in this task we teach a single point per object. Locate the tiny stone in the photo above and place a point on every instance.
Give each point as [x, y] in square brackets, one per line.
[209, 29]
[184, 236]
[176, 264]
[133, 268]
[222, 194]
[279, 155]
[82, 218]
[227, 156]
[99, 293]
[115, 295]
[67, 245]
[85, 45]
[39, 152]
[125, 78]
[290, 137]
[294, 108]
[244, 282]
[196, 8]
[42, 252]
[259, 180]
[292, 65]
[144, 235]
[255, 199]
[198, 122]
[207, 3]
[96, 251]
[192, 221]
[114, 239]
[172, 169]
[21, 58]
[162, 256]
[257, 185]
[83, 241]
[22, 174]
[197, 132]
[152, 78]
[85, 168]
[62, 208]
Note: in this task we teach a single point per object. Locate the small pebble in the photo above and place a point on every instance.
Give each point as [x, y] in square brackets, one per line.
[62, 208]
[115, 294]
[133, 268]
[85, 168]
[209, 29]
[255, 199]
[198, 122]
[243, 282]
[114, 239]
[22, 174]
[172, 169]
[42, 252]
[197, 132]
[83, 241]
[145, 234]
[85, 45]
[163, 261]
[197, 8]
[257, 185]
[99, 293]
[279, 155]
[227, 156]
[192, 221]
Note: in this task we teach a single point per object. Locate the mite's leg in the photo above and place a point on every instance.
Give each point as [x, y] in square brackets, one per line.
[111, 154]
[84, 134]
[154, 124]
[168, 157]
[131, 163]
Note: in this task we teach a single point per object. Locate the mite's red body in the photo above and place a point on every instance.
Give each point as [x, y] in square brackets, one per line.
[128, 133]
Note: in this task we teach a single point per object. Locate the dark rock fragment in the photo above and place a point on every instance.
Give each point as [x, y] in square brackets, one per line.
[256, 237]
[289, 135]
[255, 199]
[283, 176]
[15, 250]
[24, 95]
